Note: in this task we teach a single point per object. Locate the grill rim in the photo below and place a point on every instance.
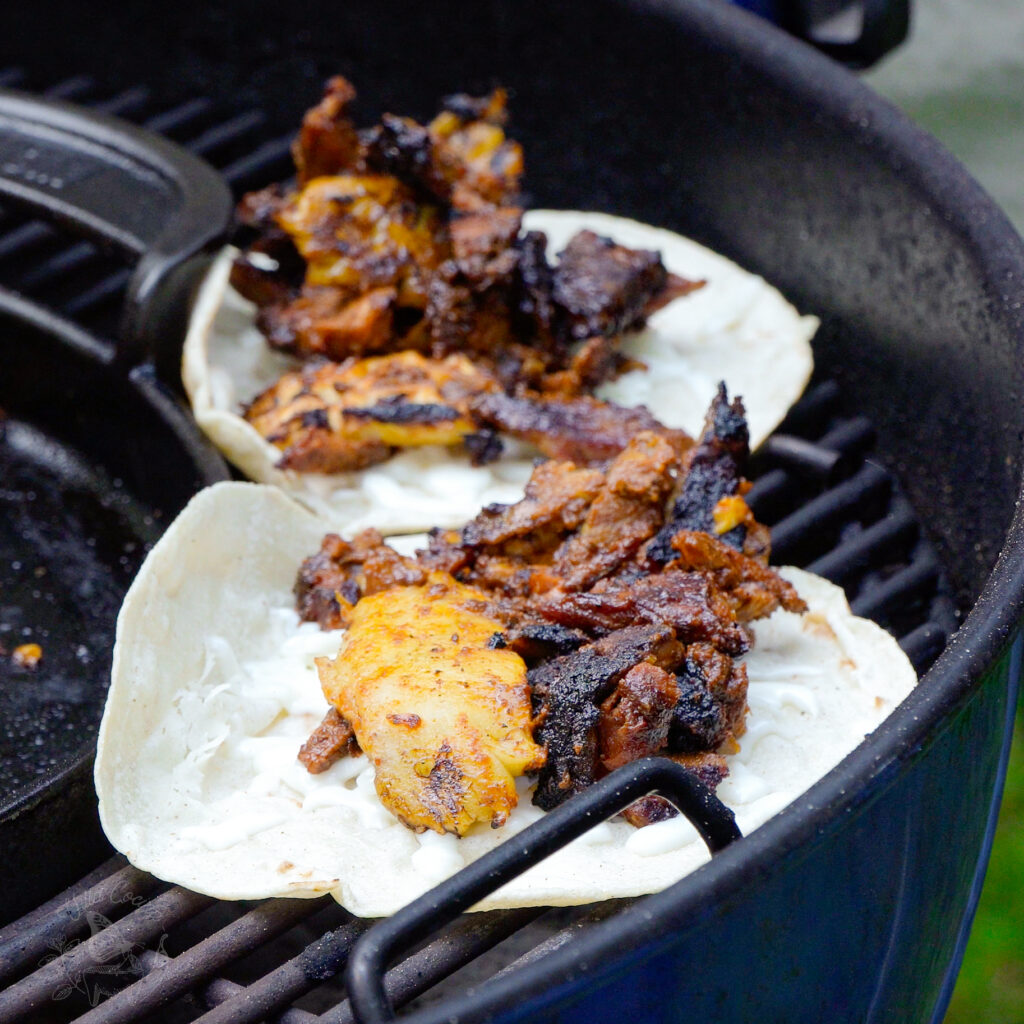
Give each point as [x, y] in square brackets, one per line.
[985, 635]
[990, 624]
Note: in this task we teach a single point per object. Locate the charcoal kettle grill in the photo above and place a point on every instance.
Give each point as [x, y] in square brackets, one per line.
[854, 903]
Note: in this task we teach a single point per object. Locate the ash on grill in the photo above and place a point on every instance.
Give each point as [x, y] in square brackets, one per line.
[123, 946]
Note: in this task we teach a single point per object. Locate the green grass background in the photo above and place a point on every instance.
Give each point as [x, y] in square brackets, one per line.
[990, 988]
[961, 76]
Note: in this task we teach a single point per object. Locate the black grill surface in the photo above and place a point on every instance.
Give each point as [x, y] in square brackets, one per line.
[123, 946]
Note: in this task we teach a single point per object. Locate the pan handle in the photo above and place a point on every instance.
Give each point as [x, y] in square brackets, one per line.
[385, 941]
[125, 189]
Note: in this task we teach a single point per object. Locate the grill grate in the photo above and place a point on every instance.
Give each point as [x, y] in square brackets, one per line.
[80, 280]
[121, 946]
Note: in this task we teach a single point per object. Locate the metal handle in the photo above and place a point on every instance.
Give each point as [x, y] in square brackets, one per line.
[383, 943]
[883, 25]
[124, 188]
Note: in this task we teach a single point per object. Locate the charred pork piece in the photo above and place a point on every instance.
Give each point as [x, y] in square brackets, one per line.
[603, 288]
[637, 715]
[709, 768]
[627, 511]
[753, 590]
[535, 641]
[333, 418]
[330, 582]
[567, 692]
[481, 166]
[330, 741]
[556, 500]
[687, 601]
[328, 141]
[270, 270]
[534, 305]
[581, 429]
[483, 246]
[461, 159]
[712, 701]
[713, 479]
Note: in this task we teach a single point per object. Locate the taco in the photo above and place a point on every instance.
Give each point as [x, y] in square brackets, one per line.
[453, 338]
[219, 680]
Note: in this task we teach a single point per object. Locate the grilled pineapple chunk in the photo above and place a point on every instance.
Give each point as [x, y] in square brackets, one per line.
[444, 718]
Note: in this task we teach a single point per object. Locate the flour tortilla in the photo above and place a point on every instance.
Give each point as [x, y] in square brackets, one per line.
[214, 690]
[736, 328]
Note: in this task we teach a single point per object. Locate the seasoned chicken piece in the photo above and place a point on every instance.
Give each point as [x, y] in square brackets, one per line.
[445, 718]
[358, 232]
[332, 418]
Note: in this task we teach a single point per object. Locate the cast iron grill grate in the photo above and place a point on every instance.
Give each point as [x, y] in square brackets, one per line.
[122, 946]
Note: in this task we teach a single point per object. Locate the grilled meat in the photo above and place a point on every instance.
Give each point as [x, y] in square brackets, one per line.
[331, 581]
[629, 655]
[687, 601]
[407, 236]
[444, 718]
[627, 511]
[328, 140]
[581, 429]
[568, 692]
[331, 740]
[331, 418]
[605, 288]
[714, 471]
[636, 716]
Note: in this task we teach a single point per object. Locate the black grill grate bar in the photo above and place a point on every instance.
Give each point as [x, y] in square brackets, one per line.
[920, 577]
[17, 928]
[807, 530]
[26, 941]
[854, 436]
[924, 644]
[810, 459]
[582, 918]
[179, 118]
[57, 267]
[811, 415]
[470, 936]
[226, 133]
[70, 88]
[221, 991]
[895, 532]
[125, 103]
[294, 978]
[770, 495]
[25, 236]
[11, 77]
[172, 977]
[142, 926]
[272, 159]
[106, 290]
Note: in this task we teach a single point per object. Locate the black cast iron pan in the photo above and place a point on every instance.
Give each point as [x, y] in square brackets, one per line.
[96, 457]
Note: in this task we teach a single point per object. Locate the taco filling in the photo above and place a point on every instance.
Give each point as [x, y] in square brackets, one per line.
[396, 312]
[615, 612]
[620, 595]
